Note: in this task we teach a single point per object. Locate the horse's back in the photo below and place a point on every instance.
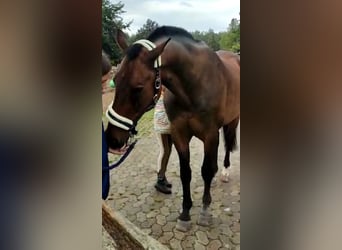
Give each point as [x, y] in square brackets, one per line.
[231, 62]
[229, 58]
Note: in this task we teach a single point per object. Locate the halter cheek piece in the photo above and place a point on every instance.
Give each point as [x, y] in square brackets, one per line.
[124, 123]
[157, 89]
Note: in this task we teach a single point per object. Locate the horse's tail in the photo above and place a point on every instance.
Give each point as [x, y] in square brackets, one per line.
[229, 134]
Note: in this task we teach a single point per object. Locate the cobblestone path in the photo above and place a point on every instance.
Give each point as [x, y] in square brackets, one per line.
[133, 194]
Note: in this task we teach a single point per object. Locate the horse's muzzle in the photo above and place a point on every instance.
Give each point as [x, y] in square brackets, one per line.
[113, 142]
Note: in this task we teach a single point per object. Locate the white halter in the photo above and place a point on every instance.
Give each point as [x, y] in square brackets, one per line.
[150, 46]
[118, 120]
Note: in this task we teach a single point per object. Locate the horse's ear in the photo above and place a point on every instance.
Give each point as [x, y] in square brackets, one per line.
[153, 54]
[121, 40]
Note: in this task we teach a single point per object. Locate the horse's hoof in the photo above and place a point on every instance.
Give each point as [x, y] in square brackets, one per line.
[224, 175]
[224, 178]
[205, 219]
[183, 226]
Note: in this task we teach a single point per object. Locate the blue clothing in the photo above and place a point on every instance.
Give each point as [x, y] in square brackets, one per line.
[105, 165]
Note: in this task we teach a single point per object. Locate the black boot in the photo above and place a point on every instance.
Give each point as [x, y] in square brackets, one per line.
[168, 184]
[162, 187]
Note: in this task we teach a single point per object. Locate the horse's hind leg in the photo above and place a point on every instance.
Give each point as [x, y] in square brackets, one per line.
[229, 134]
[209, 169]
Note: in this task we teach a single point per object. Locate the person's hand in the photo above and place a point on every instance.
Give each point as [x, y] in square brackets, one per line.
[120, 151]
[105, 83]
[106, 88]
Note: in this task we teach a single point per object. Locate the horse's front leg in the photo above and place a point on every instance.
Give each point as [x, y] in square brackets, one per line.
[209, 169]
[182, 147]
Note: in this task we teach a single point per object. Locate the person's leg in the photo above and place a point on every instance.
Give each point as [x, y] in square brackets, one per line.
[165, 146]
[105, 164]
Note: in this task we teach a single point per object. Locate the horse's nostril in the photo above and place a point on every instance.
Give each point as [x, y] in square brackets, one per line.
[113, 143]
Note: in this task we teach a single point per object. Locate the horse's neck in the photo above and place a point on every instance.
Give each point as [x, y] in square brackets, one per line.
[173, 83]
[176, 58]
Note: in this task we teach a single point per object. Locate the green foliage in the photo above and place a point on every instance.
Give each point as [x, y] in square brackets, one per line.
[211, 38]
[145, 30]
[111, 19]
[230, 40]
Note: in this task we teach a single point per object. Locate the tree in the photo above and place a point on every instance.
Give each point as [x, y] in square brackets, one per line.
[211, 38]
[234, 25]
[145, 30]
[198, 35]
[230, 40]
[112, 20]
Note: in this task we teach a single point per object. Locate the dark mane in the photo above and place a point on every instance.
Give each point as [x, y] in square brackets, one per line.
[134, 50]
[169, 31]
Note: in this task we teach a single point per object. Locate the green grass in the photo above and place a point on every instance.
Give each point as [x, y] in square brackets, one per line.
[145, 124]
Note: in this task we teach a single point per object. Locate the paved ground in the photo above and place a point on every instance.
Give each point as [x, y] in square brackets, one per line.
[133, 194]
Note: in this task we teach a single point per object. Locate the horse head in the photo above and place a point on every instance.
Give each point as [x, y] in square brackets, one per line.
[138, 87]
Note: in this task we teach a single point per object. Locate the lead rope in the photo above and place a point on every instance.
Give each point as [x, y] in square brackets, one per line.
[122, 158]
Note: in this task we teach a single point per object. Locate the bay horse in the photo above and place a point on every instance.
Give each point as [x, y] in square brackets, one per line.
[202, 96]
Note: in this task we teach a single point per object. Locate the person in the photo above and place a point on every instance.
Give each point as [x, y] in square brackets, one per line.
[162, 131]
[106, 68]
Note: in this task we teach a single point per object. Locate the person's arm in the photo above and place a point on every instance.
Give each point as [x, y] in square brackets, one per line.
[106, 88]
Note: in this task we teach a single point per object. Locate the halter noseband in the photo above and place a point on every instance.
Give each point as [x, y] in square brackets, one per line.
[123, 122]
